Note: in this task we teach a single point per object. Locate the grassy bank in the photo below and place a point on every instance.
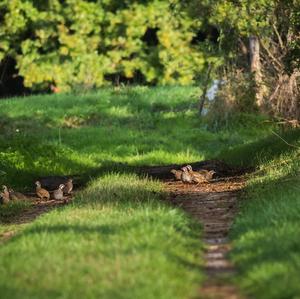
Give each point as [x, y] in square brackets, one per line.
[266, 233]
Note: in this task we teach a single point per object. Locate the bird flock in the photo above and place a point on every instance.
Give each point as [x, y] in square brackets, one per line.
[188, 176]
[61, 193]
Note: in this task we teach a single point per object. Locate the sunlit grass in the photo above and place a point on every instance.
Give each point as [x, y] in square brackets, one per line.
[71, 134]
[266, 233]
[117, 240]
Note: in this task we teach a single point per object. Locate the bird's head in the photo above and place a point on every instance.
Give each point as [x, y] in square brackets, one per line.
[212, 172]
[61, 186]
[38, 184]
[189, 168]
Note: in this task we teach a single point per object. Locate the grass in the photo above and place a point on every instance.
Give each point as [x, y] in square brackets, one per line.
[11, 210]
[117, 240]
[109, 129]
[266, 233]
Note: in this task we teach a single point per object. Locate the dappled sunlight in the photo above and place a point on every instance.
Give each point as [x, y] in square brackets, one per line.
[161, 157]
[71, 134]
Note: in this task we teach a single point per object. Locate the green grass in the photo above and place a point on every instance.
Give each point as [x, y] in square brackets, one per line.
[10, 211]
[117, 240]
[109, 129]
[266, 233]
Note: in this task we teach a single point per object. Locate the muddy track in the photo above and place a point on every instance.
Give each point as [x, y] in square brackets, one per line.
[214, 205]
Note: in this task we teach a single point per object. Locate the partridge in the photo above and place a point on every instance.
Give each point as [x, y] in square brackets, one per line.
[58, 193]
[177, 174]
[16, 195]
[68, 187]
[40, 192]
[5, 195]
[200, 176]
[185, 176]
[207, 173]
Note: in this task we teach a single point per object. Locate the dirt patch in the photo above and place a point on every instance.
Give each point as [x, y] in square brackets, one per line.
[35, 210]
[222, 169]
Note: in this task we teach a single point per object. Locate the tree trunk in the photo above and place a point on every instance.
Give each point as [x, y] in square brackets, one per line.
[255, 67]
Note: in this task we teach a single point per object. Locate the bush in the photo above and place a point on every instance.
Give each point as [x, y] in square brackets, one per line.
[62, 45]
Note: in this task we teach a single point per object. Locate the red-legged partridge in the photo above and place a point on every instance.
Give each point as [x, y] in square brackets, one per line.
[200, 176]
[58, 193]
[16, 195]
[68, 187]
[40, 192]
[5, 195]
[185, 176]
[177, 174]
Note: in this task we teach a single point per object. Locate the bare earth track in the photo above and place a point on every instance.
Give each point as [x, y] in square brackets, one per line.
[214, 205]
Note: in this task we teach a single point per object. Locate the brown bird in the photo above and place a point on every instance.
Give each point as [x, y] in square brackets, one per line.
[68, 187]
[59, 194]
[5, 195]
[16, 195]
[40, 192]
[207, 173]
[200, 176]
[177, 174]
[186, 176]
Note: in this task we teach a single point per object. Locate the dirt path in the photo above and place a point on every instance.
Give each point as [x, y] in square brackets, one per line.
[214, 205]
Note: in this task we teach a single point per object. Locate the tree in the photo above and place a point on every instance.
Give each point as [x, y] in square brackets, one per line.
[258, 36]
[85, 44]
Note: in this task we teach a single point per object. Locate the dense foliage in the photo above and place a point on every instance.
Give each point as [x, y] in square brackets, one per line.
[67, 45]
[275, 26]
[275, 21]
[74, 44]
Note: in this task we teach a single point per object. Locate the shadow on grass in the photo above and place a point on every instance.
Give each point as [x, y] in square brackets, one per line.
[15, 292]
[268, 148]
